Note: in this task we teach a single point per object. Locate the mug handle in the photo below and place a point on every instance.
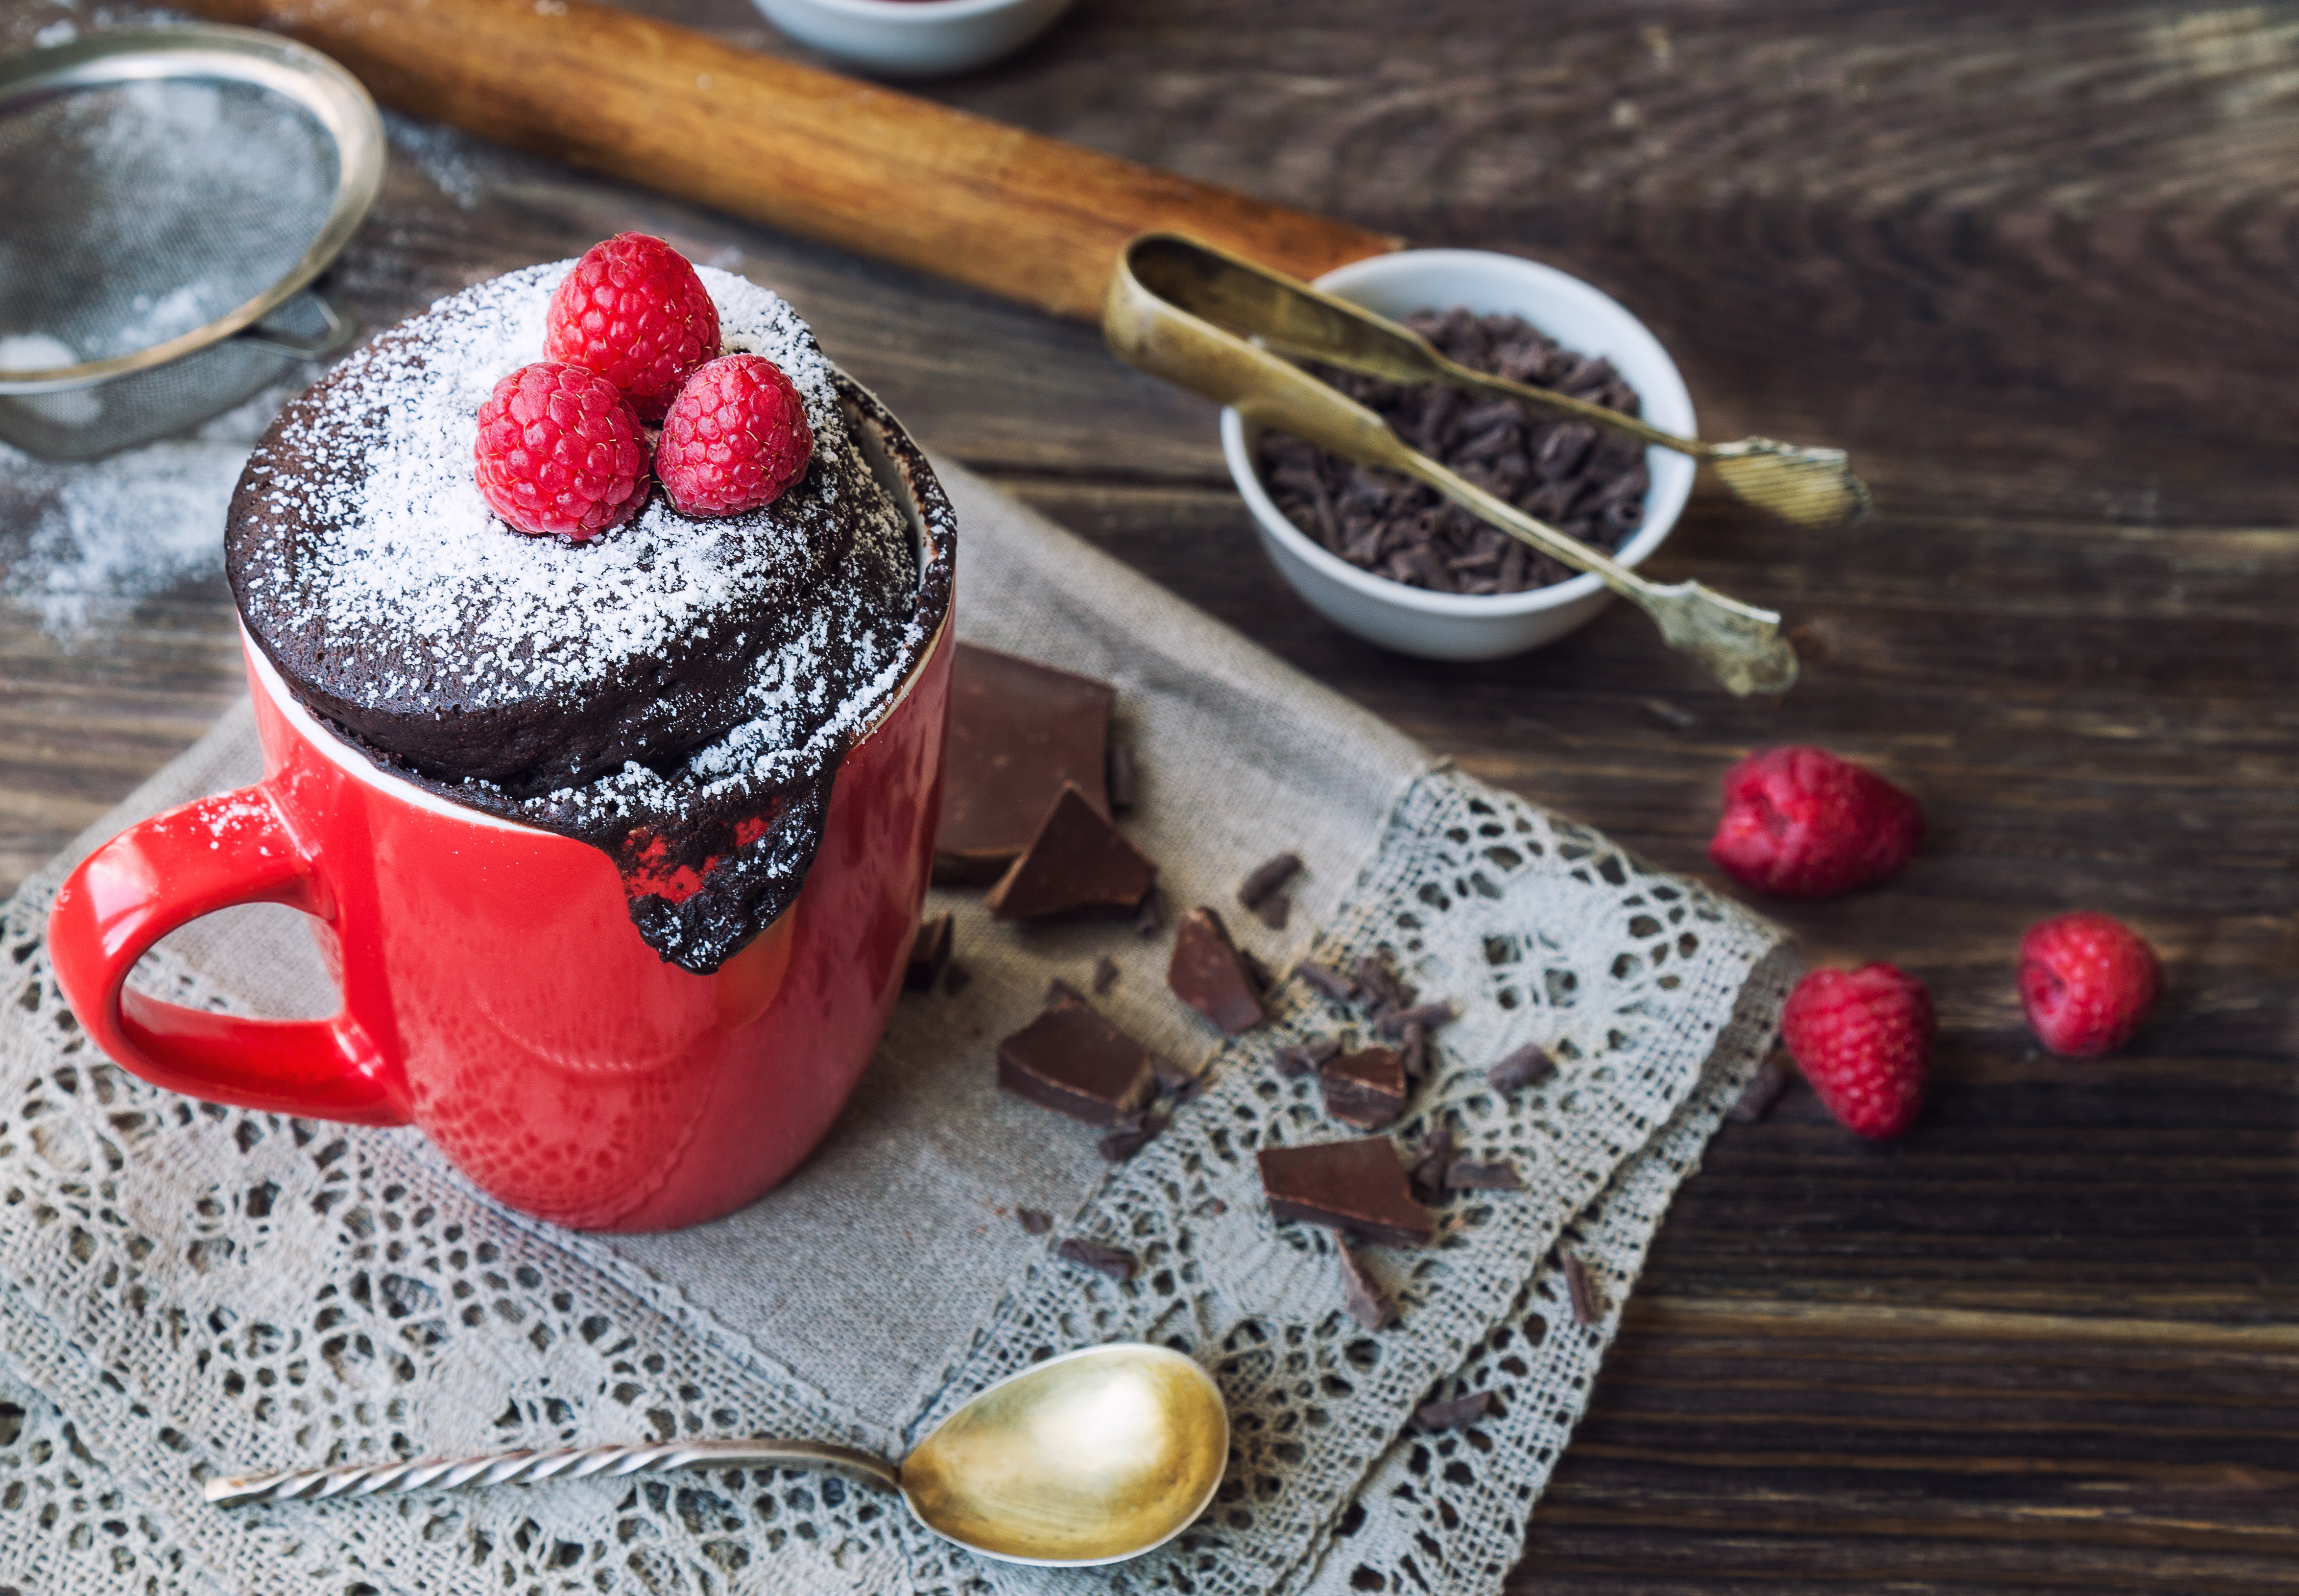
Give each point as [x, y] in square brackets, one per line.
[165, 872]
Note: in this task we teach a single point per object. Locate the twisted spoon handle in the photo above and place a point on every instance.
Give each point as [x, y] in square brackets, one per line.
[569, 1463]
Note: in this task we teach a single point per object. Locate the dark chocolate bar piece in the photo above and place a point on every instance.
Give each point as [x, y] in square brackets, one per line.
[1522, 1068]
[1018, 730]
[1366, 1089]
[1354, 1186]
[1451, 1416]
[1500, 1176]
[1207, 974]
[1427, 1016]
[1588, 1307]
[1764, 1089]
[1368, 1304]
[929, 954]
[1103, 1260]
[1074, 1062]
[1077, 859]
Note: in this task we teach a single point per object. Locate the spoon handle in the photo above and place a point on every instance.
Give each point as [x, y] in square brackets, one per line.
[569, 1463]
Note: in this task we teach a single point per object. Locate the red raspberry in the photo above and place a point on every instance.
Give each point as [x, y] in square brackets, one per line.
[1863, 1039]
[633, 311]
[736, 436]
[2086, 981]
[560, 451]
[1801, 823]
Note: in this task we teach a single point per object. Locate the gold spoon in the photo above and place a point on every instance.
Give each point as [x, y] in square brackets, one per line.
[1813, 487]
[1154, 318]
[1089, 1457]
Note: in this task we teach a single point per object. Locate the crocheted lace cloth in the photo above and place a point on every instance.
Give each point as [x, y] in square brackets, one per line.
[187, 1290]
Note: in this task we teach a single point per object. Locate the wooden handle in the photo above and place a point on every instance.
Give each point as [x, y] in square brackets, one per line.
[810, 151]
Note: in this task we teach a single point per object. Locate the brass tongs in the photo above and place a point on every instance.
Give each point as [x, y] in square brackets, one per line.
[1182, 310]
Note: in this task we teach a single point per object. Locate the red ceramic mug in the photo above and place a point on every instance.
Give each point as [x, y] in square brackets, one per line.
[495, 991]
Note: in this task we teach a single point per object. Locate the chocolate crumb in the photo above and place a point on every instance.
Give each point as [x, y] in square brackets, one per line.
[1129, 1138]
[1368, 1304]
[1427, 1016]
[955, 980]
[1331, 983]
[1103, 1260]
[1274, 910]
[1105, 973]
[1451, 1416]
[1035, 1221]
[1175, 1082]
[1522, 1068]
[1121, 777]
[1304, 1058]
[1501, 1176]
[1150, 917]
[1381, 986]
[1670, 716]
[1588, 1307]
[1267, 877]
[1764, 1089]
[929, 954]
[1430, 1160]
[1412, 1049]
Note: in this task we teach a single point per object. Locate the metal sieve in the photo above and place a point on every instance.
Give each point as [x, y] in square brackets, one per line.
[167, 196]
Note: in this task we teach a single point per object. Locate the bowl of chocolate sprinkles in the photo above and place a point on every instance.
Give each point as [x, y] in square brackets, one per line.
[1390, 561]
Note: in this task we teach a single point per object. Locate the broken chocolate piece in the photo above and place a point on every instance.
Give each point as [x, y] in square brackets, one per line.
[1365, 1089]
[1413, 1052]
[1036, 1221]
[1103, 1260]
[1105, 975]
[1522, 1068]
[1430, 1160]
[1018, 731]
[929, 954]
[1274, 910]
[1207, 974]
[1451, 1416]
[1764, 1089]
[1129, 1137]
[1174, 1081]
[1501, 1176]
[1588, 1307]
[1121, 777]
[1267, 877]
[1427, 1016]
[1331, 983]
[1367, 1303]
[1303, 1057]
[954, 980]
[1074, 1062]
[1356, 1186]
[1077, 859]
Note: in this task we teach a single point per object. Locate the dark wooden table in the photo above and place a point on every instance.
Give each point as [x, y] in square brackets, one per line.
[2037, 267]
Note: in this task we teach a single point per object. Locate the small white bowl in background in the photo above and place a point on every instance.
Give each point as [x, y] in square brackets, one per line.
[914, 38]
[1459, 626]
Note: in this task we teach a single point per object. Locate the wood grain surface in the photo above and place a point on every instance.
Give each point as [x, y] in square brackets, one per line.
[2035, 267]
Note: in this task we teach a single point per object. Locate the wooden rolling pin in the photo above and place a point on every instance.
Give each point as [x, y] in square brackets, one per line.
[808, 152]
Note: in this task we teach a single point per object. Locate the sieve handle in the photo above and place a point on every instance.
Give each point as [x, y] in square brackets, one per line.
[310, 346]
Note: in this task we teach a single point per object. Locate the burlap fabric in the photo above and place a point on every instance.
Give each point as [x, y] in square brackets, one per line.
[187, 1289]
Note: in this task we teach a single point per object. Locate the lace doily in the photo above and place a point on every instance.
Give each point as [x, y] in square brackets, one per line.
[195, 1290]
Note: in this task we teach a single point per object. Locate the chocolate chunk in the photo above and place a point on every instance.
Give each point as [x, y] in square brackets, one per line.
[1103, 1260]
[955, 980]
[1461, 1175]
[1150, 917]
[1427, 1016]
[929, 954]
[1074, 1062]
[1274, 910]
[1302, 1058]
[1430, 1160]
[1121, 777]
[1177, 1083]
[1764, 1089]
[1588, 1307]
[1451, 1416]
[1367, 1303]
[1333, 985]
[1018, 732]
[1522, 1068]
[1207, 974]
[1354, 1186]
[1105, 975]
[1036, 1221]
[1267, 877]
[1077, 859]
[1129, 1138]
[1365, 1089]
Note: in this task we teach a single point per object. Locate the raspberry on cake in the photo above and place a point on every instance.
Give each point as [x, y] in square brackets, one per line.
[559, 451]
[735, 438]
[635, 312]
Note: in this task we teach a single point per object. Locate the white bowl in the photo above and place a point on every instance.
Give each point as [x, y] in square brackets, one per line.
[1458, 626]
[914, 38]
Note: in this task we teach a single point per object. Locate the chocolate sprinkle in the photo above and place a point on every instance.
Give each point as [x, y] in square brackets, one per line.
[1103, 1260]
[1764, 1089]
[1427, 1016]
[1036, 1221]
[929, 954]
[1333, 985]
[1522, 1068]
[1451, 1416]
[1499, 1177]
[1588, 1307]
[1368, 1304]
[1305, 1057]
